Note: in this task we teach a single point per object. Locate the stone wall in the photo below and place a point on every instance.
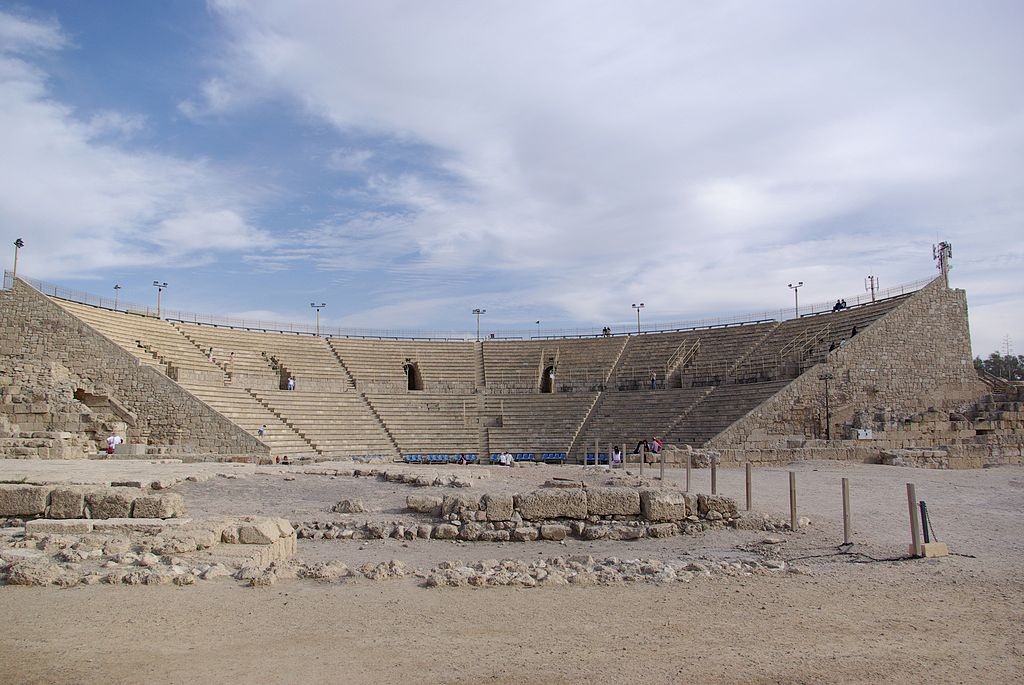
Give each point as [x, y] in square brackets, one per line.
[34, 328]
[91, 502]
[916, 356]
[589, 513]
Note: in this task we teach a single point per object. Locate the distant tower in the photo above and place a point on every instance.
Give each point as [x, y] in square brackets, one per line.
[871, 285]
[942, 253]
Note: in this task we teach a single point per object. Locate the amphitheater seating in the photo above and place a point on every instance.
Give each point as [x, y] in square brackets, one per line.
[338, 424]
[725, 405]
[274, 356]
[797, 344]
[378, 365]
[623, 418]
[152, 341]
[249, 359]
[429, 423]
[469, 397]
[514, 366]
[243, 409]
[536, 423]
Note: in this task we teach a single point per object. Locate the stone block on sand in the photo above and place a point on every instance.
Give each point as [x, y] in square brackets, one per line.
[552, 504]
[613, 501]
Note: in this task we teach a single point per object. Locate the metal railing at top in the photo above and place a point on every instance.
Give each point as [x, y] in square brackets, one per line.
[782, 314]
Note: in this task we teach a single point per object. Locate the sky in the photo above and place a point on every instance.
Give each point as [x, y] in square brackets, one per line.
[407, 162]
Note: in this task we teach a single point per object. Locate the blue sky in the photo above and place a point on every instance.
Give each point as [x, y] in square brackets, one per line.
[406, 162]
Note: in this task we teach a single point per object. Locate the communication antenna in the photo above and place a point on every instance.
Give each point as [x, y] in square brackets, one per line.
[942, 253]
[871, 285]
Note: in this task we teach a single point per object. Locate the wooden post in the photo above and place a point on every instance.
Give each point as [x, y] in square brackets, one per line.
[597, 450]
[714, 478]
[750, 483]
[689, 464]
[846, 511]
[915, 522]
[661, 476]
[643, 458]
[792, 500]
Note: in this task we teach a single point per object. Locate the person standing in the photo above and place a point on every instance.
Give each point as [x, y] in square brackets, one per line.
[291, 382]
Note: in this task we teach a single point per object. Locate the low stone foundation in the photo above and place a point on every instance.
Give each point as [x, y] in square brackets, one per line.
[86, 502]
[134, 551]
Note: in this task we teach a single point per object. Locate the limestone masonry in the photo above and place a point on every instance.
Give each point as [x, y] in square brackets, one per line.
[877, 382]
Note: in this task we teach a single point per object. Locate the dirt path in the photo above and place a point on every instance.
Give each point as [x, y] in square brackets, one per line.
[932, 621]
[957, 619]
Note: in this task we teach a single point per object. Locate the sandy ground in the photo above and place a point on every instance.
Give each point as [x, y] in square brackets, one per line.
[956, 619]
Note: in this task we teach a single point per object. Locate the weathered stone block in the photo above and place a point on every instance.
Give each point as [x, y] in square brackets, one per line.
[258, 532]
[424, 504]
[613, 502]
[60, 527]
[662, 505]
[552, 504]
[110, 504]
[554, 532]
[66, 503]
[23, 500]
[470, 530]
[459, 500]
[717, 503]
[446, 531]
[625, 533]
[525, 534]
[498, 506]
[661, 530]
[159, 506]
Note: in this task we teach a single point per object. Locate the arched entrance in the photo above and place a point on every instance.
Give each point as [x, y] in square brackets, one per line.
[414, 380]
[547, 380]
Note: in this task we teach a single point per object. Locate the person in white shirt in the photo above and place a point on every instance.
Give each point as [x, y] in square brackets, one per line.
[112, 442]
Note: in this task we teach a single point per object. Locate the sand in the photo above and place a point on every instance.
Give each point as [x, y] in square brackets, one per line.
[956, 619]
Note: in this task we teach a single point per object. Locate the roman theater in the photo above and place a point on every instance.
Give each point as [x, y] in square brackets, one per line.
[838, 497]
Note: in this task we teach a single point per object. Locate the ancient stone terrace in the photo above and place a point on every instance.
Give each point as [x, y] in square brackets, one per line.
[522, 366]
[358, 397]
[390, 366]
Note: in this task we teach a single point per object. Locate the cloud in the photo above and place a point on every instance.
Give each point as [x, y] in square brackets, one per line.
[20, 34]
[696, 157]
[83, 201]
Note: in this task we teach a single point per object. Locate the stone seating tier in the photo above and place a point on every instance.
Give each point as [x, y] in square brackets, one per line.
[242, 408]
[378, 365]
[337, 424]
[536, 423]
[425, 424]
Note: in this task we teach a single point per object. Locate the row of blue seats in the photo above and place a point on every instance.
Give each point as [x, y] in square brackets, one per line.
[471, 458]
[602, 458]
[547, 457]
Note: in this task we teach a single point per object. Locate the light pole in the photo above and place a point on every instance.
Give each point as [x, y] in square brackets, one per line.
[538, 328]
[795, 287]
[478, 312]
[638, 307]
[117, 286]
[828, 409]
[317, 307]
[159, 289]
[18, 244]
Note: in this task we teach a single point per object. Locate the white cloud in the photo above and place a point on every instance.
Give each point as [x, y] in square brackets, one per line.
[20, 34]
[695, 156]
[81, 201]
